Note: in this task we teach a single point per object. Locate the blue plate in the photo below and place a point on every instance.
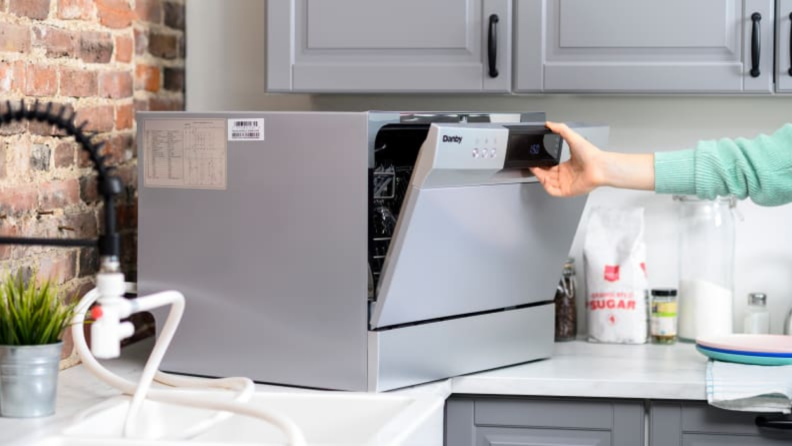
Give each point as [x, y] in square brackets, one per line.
[744, 358]
[746, 353]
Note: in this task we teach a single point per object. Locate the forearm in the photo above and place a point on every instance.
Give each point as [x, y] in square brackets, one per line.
[760, 168]
[627, 171]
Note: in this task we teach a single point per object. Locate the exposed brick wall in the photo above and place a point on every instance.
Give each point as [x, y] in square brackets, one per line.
[103, 59]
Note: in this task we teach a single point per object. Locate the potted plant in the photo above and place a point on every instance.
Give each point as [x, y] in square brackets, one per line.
[32, 322]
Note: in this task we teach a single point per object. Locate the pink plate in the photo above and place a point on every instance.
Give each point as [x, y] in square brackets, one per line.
[749, 343]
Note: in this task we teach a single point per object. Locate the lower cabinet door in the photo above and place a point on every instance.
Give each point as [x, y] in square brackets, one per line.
[501, 436]
[542, 421]
[688, 423]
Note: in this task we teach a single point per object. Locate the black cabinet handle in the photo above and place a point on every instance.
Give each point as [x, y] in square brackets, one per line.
[790, 45]
[493, 45]
[774, 424]
[756, 44]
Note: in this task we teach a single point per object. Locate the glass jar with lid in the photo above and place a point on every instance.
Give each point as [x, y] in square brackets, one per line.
[664, 316]
[706, 266]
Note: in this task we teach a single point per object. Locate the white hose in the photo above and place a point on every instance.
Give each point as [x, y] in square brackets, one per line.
[142, 389]
[244, 386]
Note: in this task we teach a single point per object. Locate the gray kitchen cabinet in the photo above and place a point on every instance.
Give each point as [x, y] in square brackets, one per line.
[502, 421]
[389, 46]
[633, 46]
[685, 423]
[784, 46]
[480, 420]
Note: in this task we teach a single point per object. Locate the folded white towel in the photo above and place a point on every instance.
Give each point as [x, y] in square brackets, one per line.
[749, 388]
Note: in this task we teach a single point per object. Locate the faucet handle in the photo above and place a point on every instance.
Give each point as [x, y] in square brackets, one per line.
[107, 331]
[105, 342]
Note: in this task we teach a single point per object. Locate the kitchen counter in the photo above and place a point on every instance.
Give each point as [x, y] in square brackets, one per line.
[577, 369]
[583, 369]
[79, 390]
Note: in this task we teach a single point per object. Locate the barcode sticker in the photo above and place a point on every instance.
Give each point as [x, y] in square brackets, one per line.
[246, 129]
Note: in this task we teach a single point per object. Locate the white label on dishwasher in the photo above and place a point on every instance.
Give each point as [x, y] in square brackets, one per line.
[246, 129]
[185, 153]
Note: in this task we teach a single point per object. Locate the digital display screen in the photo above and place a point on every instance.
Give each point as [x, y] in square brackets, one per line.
[532, 146]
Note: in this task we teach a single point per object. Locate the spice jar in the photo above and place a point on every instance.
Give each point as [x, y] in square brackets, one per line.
[565, 309]
[664, 316]
[757, 318]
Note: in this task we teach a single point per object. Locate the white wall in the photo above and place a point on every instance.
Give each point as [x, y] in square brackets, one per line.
[226, 54]
[225, 71]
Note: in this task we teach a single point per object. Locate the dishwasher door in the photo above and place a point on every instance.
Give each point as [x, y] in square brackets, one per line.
[470, 241]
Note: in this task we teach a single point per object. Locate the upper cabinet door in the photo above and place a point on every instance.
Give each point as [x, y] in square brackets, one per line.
[784, 46]
[629, 46]
[389, 45]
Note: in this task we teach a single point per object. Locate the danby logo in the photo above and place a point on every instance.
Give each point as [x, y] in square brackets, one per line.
[456, 139]
[612, 273]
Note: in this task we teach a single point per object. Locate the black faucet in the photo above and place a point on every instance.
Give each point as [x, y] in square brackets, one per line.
[109, 186]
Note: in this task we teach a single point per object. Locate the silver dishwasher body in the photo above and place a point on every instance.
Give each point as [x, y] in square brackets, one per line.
[275, 258]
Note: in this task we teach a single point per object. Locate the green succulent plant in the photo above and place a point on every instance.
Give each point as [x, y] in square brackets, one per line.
[32, 314]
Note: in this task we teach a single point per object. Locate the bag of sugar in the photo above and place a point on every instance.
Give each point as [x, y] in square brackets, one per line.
[614, 254]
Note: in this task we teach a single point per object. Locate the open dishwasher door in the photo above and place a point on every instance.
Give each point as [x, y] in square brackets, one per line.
[477, 233]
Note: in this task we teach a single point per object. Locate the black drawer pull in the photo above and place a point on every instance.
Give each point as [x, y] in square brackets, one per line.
[492, 52]
[756, 44]
[773, 424]
[790, 45]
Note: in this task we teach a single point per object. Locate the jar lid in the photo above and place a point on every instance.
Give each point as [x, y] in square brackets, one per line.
[757, 298]
[664, 292]
[731, 200]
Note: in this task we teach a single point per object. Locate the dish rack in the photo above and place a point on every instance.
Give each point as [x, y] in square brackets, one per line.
[395, 153]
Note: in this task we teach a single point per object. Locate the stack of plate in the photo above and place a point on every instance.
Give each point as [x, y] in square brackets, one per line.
[748, 348]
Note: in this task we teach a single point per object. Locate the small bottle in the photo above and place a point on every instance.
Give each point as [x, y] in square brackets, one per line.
[566, 310]
[664, 316]
[757, 319]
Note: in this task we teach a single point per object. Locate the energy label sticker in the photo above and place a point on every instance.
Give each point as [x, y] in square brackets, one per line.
[185, 153]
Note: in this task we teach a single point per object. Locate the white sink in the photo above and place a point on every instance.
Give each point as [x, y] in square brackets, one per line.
[326, 419]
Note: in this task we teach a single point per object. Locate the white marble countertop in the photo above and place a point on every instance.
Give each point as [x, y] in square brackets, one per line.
[79, 390]
[582, 369]
[577, 369]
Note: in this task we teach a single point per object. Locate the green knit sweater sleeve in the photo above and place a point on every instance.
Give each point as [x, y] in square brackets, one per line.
[759, 168]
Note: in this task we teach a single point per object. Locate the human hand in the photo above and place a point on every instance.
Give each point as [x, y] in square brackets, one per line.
[582, 173]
